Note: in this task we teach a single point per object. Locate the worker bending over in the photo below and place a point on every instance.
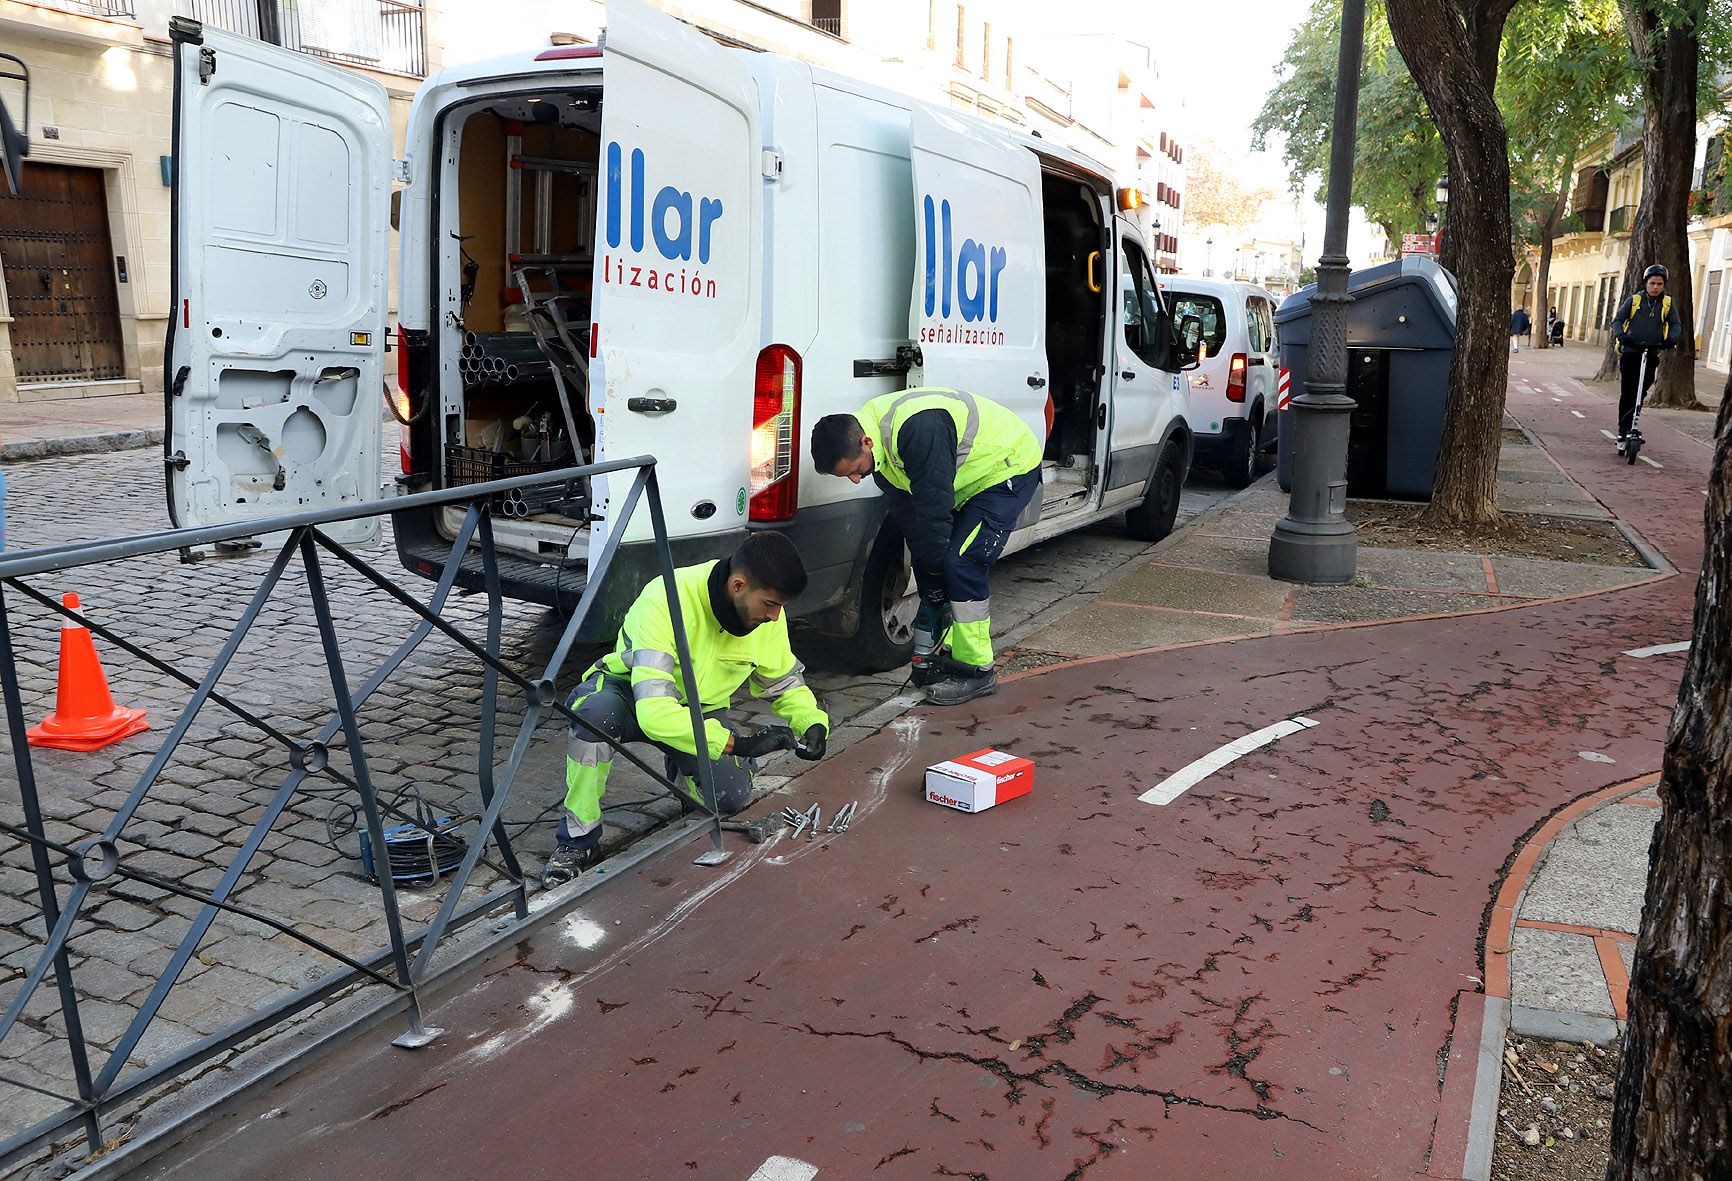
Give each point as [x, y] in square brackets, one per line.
[957, 470]
[736, 632]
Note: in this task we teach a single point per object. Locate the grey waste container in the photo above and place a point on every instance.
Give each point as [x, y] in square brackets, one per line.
[1400, 340]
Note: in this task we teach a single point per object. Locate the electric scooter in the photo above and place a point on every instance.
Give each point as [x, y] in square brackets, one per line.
[1632, 444]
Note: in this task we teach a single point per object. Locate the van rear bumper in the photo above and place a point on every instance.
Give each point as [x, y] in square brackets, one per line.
[1216, 448]
[424, 551]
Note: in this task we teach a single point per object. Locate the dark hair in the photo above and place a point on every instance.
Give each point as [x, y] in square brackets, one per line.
[835, 437]
[769, 561]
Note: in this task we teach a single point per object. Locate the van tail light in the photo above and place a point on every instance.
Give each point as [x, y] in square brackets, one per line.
[775, 429]
[1236, 379]
[402, 397]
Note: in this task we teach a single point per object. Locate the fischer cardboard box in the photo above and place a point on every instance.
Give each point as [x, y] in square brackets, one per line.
[976, 782]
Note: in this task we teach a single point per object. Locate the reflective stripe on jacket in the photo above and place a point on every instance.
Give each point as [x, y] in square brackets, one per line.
[992, 443]
[646, 655]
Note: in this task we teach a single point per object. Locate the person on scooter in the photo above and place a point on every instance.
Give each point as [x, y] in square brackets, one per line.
[1645, 324]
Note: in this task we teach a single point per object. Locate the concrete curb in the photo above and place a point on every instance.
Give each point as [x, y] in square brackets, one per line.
[29, 449]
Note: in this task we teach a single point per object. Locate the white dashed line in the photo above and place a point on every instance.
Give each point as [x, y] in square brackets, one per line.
[784, 1168]
[1578, 414]
[1605, 432]
[1187, 777]
[1650, 462]
[1659, 650]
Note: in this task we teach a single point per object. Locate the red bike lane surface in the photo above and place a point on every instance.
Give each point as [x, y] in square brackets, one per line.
[1257, 980]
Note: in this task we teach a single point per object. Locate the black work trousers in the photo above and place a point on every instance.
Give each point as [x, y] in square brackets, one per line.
[1630, 371]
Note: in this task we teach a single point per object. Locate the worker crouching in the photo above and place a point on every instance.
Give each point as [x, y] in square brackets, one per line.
[737, 633]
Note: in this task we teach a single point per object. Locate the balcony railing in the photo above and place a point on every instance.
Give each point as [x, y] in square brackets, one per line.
[383, 34]
[828, 24]
[105, 8]
[1621, 219]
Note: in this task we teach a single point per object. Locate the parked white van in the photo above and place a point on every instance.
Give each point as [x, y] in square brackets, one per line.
[1233, 391]
[737, 242]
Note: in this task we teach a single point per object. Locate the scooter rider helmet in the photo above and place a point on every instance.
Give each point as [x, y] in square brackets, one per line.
[1656, 269]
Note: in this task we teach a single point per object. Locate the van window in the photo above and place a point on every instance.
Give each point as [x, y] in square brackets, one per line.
[1142, 309]
[1255, 329]
[1206, 308]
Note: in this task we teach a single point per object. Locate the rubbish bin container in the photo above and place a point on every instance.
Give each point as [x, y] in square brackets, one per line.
[1400, 340]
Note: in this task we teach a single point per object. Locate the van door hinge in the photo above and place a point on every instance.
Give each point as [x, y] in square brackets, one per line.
[206, 65]
[400, 171]
[180, 376]
[772, 165]
[178, 461]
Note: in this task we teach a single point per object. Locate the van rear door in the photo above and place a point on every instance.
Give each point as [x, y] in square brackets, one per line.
[679, 282]
[978, 314]
[274, 365]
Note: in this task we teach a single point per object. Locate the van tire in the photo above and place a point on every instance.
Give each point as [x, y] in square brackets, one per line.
[1241, 466]
[885, 638]
[1153, 519]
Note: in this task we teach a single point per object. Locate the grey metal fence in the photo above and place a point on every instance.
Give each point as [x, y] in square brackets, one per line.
[71, 877]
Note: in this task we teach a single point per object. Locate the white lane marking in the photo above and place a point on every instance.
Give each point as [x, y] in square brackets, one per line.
[1578, 414]
[1557, 399]
[784, 1168]
[1650, 462]
[1187, 777]
[1594, 756]
[1605, 432]
[1659, 650]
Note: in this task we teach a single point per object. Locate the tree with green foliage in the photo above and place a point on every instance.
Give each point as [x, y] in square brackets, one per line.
[1398, 157]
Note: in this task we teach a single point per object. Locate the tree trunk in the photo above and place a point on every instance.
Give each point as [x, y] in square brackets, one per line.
[1446, 52]
[1672, 1117]
[1671, 52]
[1543, 276]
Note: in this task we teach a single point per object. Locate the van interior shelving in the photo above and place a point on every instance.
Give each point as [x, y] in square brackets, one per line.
[516, 263]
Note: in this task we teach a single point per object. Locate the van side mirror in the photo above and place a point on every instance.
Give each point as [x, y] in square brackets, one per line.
[15, 144]
[1191, 342]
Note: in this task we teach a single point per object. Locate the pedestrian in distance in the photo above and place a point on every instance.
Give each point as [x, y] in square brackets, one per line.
[732, 611]
[1555, 329]
[957, 470]
[1646, 324]
[1519, 326]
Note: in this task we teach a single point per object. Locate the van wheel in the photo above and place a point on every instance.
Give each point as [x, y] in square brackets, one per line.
[1153, 519]
[1241, 466]
[888, 602]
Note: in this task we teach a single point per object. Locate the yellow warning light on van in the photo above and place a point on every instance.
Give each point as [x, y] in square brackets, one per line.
[360, 338]
[1130, 198]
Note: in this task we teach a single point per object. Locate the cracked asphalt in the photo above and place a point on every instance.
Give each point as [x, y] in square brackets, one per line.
[1257, 980]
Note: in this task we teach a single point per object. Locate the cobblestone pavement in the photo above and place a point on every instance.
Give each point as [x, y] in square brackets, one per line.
[420, 727]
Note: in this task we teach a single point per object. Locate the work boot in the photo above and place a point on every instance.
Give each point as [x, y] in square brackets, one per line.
[963, 684]
[567, 862]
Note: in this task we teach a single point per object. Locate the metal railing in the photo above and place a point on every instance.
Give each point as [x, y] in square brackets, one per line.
[1621, 219]
[72, 876]
[828, 24]
[384, 34]
[109, 8]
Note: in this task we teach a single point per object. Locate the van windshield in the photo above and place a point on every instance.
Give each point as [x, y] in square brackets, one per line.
[1206, 308]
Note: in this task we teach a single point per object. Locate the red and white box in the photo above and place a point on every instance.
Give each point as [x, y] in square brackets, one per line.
[976, 782]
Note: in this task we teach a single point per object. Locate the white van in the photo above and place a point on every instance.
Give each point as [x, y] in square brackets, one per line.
[1233, 391]
[740, 242]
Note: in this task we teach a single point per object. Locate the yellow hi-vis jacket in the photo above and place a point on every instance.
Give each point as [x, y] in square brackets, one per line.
[647, 655]
[992, 443]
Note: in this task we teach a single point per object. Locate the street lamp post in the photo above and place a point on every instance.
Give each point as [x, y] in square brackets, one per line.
[1314, 542]
[1208, 256]
[1442, 204]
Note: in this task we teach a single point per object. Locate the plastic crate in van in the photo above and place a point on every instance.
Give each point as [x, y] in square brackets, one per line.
[477, 465]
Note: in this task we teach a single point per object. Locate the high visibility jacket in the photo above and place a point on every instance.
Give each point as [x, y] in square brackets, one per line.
[1653, 327]
[647, 655]
[992, 443]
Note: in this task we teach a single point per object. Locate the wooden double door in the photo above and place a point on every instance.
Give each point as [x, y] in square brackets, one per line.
[59, 269]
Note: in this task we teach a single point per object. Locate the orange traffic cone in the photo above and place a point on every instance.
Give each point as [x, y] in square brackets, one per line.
[85, 716]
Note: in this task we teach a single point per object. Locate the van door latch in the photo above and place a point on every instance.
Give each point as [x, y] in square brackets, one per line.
[180, 376]
[651, 405]
[907, 357]
[1036, 382]
[206, 65]
[178, 461]
[772, 165]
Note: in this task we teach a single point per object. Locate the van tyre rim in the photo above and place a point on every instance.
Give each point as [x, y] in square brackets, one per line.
[898, 604]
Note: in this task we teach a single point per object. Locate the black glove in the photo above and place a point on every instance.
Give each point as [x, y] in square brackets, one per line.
[770, 738]
[813, 745]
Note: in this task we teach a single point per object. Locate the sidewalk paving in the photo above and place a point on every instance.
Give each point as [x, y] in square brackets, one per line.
[76, 426]
[1269, 976]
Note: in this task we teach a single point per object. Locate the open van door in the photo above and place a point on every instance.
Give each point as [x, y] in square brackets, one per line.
[679, 276]
[274, 360]
[978, 314]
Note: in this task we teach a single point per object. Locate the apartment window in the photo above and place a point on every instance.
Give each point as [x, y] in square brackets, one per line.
[986, 51]
[827, 15]
[961, 35]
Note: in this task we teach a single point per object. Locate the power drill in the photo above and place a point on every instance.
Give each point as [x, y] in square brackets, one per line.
[931, 626]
